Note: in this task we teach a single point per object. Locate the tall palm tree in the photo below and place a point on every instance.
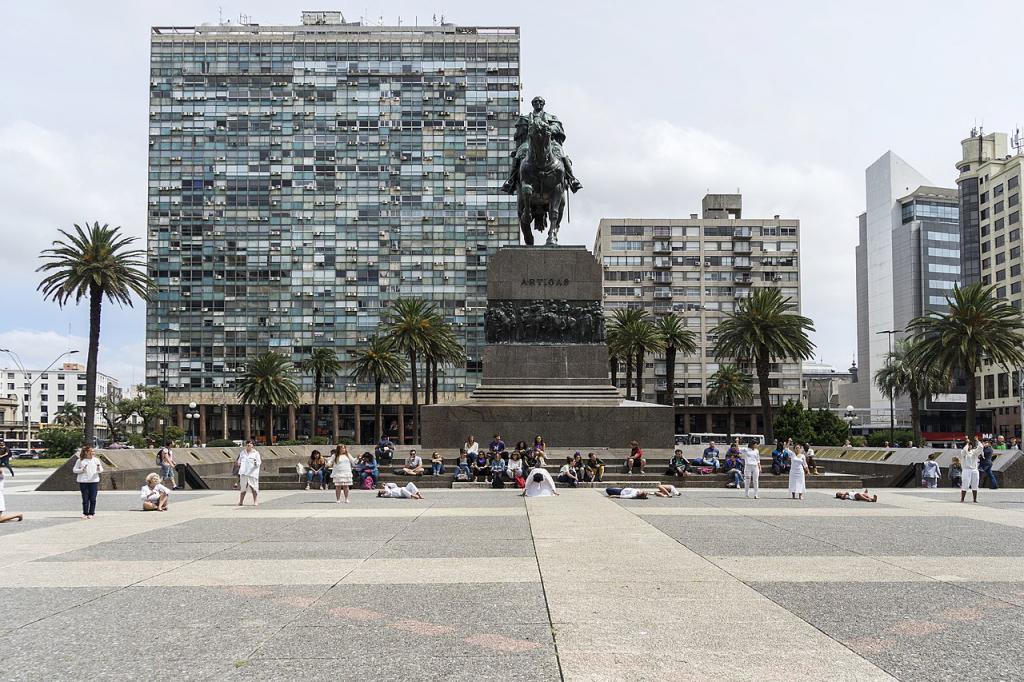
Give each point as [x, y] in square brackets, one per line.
[644, 338]
[730, 386]
[764, 329]
[321, 363]
[409, 326]
[267, 381]
[900, 376]
[677, 339]
[977, 326]
[93, 262]
[444, 349]
[378, 363]
[620, 343]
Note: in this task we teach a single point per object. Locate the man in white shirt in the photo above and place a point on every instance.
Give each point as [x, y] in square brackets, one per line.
[154, 494]
[539, 483]
[751, 468]
[971, 476]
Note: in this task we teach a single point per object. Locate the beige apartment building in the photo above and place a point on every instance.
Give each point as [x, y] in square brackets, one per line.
[990, 209]
[701, 268]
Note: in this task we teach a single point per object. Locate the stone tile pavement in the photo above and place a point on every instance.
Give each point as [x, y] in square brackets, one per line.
[476, 585]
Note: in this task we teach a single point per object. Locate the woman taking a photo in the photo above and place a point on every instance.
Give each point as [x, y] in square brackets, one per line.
[88, 469]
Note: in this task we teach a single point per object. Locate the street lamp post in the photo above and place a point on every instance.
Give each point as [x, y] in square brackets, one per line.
[27, 408]
[892, 401]
[192, 415]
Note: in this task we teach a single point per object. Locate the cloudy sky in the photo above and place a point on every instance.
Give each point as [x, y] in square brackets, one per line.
[663, 101]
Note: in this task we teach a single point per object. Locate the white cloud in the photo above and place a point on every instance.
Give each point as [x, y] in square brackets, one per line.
[51, 180]
[637, 166]
[38, 348]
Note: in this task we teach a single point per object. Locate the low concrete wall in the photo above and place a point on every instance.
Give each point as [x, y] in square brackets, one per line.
[127, 469]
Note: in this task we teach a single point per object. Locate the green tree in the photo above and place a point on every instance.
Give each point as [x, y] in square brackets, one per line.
[899, 376]
[764, 329]
[828, 428]
[68, 414]
[61, 441]
[443, 349]
[150, 404]
[793, 421]
[977, 326]
[409, 326]
[267, 382]
[321, 363]
[93, 263]
[677, 339]
[730, 386]
[633, 336]
[112, 412]
[618, 343]
[377, 363]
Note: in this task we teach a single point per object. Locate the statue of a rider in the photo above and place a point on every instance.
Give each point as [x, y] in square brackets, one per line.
[522, 146]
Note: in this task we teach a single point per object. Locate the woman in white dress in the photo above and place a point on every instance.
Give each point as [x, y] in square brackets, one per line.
[798, 474]
[341, 472]
[249, 462]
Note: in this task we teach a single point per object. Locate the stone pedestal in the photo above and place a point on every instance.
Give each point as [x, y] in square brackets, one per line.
[545, 367]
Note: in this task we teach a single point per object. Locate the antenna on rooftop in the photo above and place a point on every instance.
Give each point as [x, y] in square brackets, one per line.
[1017, 141]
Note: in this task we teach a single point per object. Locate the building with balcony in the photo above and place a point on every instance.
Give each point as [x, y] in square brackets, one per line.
[701, 268]
[301, 178]
[990, 192]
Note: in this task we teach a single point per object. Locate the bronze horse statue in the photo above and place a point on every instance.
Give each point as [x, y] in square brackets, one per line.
[542, 185]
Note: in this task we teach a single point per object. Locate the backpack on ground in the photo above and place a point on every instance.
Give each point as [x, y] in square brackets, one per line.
[496, 482]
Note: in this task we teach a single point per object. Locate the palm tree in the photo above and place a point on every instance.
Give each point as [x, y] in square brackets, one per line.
[444, 349]
[764, 329]
[899, 377]
[321, 363]
[68, 415]
[409, 326]
[620, 343]
[267, 381]
[677, 339]
[377, 363]
[94, 262]
[977, 326]
[730, 386]
[645, 338]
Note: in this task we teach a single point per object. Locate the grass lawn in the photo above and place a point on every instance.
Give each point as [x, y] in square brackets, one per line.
[41, 463]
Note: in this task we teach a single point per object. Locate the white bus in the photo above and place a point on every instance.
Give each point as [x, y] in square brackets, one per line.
[705, 438]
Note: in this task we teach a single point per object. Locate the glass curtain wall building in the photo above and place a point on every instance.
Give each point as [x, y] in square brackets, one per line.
[303, 177]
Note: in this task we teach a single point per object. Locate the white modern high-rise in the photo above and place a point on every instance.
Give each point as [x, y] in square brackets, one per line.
[887, 180]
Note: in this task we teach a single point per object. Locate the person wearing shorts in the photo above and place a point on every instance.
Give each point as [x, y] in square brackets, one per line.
[970, 458]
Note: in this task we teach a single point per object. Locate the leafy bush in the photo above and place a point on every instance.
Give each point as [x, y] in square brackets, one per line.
[137, 440]
[878, 438]
[61, 441]
[817, 427]
[318, 440]
[220, 443]
[858, 441]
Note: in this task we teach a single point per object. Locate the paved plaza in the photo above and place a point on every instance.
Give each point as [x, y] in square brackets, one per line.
[482, 584]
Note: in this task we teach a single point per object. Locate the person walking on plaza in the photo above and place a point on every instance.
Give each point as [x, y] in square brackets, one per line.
[797, 474]
[985, 464]
[342, 465]
[751, 468]
[5, 457]
[88, 470]
[165, 457]
[930, 472]
[249, 463]
[971, 477]
[956, 473]
[154, 494]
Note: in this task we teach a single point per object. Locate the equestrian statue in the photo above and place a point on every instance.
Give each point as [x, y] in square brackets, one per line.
[541, 172]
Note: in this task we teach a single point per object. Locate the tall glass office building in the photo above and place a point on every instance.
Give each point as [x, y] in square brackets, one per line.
[303, 177]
